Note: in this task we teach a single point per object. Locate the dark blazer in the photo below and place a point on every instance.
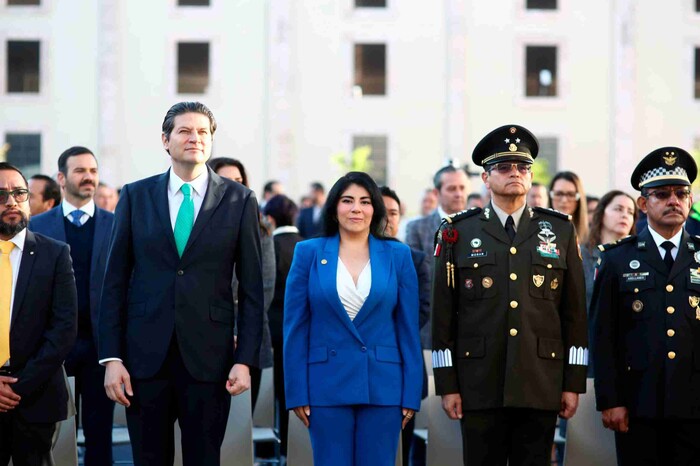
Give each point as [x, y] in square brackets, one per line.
[43, 328]
[330, 360]
[51, 224]
[646, 329]
[514, 323]
[150, 292]
[305, 222]
[284, 252]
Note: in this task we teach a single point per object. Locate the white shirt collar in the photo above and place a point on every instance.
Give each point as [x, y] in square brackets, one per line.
[502, 216]
[88, 208]
[441, 212]
[199, 184]
[658, 239]
[19, 239]
[285, 229]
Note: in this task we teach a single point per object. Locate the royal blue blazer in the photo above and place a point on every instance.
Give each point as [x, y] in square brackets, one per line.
[330, 360]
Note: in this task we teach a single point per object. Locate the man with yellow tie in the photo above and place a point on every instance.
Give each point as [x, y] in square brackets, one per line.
[38, 324]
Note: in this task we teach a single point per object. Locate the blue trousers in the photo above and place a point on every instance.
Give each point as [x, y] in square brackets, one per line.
[358, 435]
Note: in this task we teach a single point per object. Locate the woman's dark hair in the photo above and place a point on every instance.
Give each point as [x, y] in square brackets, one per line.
[220, 162]
[594, 236]
[580, 215]
[330, 211]
[282, 210]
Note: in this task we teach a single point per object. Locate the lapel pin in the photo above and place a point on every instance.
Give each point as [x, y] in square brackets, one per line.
[324, 261]
[31, 253]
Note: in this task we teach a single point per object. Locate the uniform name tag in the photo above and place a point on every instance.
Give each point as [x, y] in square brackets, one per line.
[695, 276]
[635, 276]
[477, 253]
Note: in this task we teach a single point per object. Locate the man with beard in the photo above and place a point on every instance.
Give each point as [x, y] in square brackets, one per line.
[509, 313]
[86, 228]
[38, 308]
[646, 315]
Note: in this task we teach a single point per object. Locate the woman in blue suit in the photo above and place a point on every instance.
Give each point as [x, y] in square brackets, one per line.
[352, 354]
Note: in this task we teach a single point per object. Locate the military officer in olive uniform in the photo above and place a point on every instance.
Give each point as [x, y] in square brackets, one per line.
[646, 312]
[510, 345]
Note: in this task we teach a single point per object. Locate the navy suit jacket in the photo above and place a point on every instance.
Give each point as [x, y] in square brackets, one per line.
[51, 224]
[305, 222]
[330, 360]
[43, 327]
[150, 292]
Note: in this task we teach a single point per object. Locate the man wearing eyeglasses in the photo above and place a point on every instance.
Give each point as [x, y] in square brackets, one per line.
[646, 333]
[509, 313]
[38, 309]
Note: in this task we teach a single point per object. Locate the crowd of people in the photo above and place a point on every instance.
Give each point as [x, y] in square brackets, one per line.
[176, 297]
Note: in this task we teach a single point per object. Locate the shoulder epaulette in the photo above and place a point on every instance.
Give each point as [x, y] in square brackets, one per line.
[614, 244]
[556, 213]
[454, 218]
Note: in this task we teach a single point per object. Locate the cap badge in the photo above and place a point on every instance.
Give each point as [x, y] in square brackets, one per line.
[670, 158]
[512, 148]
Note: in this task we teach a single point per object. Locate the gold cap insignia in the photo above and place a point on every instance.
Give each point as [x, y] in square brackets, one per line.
[512, 148]
[670, 158]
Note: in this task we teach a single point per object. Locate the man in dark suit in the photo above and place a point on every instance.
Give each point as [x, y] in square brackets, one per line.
[646, 314]
[38, 307]
[166, 320]
[86, 229]
[309, 221]
[452, 187]
[510, 338]
[44, 194]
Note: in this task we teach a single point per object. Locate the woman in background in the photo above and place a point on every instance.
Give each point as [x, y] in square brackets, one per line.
[352, 353]
[567, 196]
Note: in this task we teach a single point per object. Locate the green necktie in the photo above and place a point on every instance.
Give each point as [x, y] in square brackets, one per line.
[185, 219]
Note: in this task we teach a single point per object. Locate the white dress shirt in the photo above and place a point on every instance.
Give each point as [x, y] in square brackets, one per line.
[353, 297]
[175, 196]
[15, 262]
[503, 216]
[88, 211]
[285, 229]
[658, 239]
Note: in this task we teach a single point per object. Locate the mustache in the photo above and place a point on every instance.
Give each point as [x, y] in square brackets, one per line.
[87, 182]
[673, 210]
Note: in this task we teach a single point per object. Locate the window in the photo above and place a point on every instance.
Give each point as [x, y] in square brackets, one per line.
[373, 3]
[378, 156]
[192, 67]
[542, 4]
[541, 71]
[697, 6]
[193, 3]
[22, 66]
[24, 152]
[548, 155]
[697, 72]
[23, 2]
[370, 69]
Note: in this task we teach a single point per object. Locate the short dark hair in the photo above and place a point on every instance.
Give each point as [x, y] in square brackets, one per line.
[5, 166]
[186, 107]
[72, 152]
[220, 162]
[282, 210]
[268, 186]
[536, 184]
[437, 179]
[51, 189]
[474, 196]
[388, 192]
[592, 198]
[330, 210]
[316, 186]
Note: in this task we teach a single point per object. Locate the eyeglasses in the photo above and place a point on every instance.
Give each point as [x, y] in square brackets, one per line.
[572, 196]
[665, 194]
[20, 195]
[505, 168]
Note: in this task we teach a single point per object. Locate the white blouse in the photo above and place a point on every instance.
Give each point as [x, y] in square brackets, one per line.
[353, 297]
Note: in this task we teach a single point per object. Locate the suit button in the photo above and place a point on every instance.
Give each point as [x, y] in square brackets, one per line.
[333, 352]
[670, 332]
[467, 354]
[476, 266]
[513, 276]
[513, 332]
[636, 290]
[513, 304]
[181, 272]
[670, 309]
[669, 288]
[513, 250]
[554, 355]
[671, 355]
[364, 349]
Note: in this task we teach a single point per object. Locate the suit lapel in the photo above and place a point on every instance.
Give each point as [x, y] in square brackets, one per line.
[215, 191]
[159, 197]
[327, 275]
[684, 258]
[527, 227]
[57, 226]
[492, 225]
[25, 272]
[650, 252]
[380, 264]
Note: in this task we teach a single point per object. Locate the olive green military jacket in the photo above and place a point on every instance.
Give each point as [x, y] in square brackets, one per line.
[509, 320]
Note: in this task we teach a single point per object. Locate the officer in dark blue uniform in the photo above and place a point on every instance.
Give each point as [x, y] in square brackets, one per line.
[509, 313]
[646, 311]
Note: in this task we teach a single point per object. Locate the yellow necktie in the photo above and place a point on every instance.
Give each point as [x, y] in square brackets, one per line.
[5, 299]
